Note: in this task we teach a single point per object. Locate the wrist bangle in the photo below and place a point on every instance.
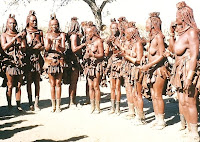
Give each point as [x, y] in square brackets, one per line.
[172, 34]
[190, 75]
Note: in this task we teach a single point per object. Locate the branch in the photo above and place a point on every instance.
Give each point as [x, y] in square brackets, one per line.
[103, 4]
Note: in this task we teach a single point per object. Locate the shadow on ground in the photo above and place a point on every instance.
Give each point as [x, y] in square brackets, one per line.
[73, 139]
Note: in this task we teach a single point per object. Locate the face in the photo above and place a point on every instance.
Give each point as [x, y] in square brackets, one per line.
[33, 21]
[178, 18]
[148, 25]
[128, 34]
[114, 29]
[11, 24]
[54, 25]
[89, 33]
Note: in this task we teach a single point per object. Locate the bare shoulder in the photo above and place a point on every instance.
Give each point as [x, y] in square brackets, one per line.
[192, 33]
[160, 36]
[3, 34]
[62, 34]
[98, 40]
[73, 36]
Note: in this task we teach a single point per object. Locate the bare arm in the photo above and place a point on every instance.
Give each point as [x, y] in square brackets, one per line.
[194, 49]
[47, 42]
[40, 45]
[161, 48]
[74, 45]
[62, 47]
[100, 53]
[107, 50]
[6, 45]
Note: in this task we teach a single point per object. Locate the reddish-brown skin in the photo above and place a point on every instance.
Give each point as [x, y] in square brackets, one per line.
[137, 54]
[75, 46]
[7, 40]
[115, 84]
[186, 44]
[39, 46]
[156, 50]
[94, 90]
[55, 80]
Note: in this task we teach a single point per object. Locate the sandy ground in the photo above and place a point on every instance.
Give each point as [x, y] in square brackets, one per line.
[77, 124]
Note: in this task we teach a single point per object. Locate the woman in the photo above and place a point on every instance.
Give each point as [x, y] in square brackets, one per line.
[75, 56]
[157, 72]
[137, 54]
[35, 45]
[93, 58]
[185, 73]
[14, 44]
[114, 68]
[54, 47]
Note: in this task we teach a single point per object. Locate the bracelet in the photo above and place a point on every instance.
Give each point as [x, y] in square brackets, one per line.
[190, 75]
[172, 34]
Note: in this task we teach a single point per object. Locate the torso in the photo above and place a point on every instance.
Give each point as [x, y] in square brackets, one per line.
[154, 50]
[33, 37]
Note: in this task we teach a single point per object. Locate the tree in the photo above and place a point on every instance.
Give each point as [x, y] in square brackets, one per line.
[96, 10]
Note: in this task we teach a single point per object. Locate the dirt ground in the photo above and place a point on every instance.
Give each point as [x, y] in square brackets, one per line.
[78, 125]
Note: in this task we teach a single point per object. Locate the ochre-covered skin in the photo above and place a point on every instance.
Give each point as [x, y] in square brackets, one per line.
[114, 67]
[34, 60]
[185, 75]
[54, 60]
[14, 44]
[93, 68]
[155, 70]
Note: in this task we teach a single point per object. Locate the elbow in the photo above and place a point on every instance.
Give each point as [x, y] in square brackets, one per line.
[4, 48]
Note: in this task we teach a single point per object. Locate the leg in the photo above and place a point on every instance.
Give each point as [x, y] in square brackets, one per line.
[158, 101]
[112, 94]
[87, 93]
[37, 90]
[52, 86]
[192, 113]
[18, 91]
[97, 92]
[29, 90]
[118, 95]
[182, 110]
[131, 106]
[58, 91]
[73, 86]
[9, 89]
[91, 93]
[140, 113]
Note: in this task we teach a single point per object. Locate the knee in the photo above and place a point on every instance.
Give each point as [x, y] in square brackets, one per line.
[96, 87]
[113, 88]
[58, 83]
[9, 86]
[158, 96]
[52, 84]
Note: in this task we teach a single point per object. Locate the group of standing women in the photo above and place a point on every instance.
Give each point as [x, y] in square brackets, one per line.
[139, 64]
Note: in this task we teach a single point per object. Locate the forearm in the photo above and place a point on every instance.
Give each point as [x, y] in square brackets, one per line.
[8, 45]
[156, 61]
[98, 56]
[77, 48]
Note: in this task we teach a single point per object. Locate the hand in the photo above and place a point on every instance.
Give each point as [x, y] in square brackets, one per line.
[91, 54]
[187, 84]
[172, 27]
[38, 45]
[21, 34]
[121, 53]
[167, 53]
[144, 68]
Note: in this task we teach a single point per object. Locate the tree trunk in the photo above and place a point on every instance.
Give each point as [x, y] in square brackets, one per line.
[98, 19]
